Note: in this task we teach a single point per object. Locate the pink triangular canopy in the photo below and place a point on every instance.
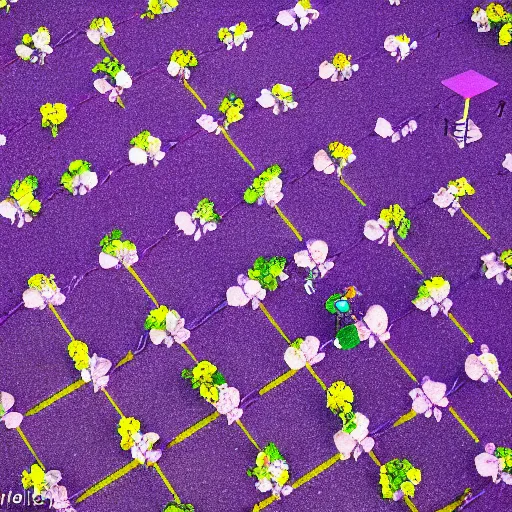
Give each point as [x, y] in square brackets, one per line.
[469, 84]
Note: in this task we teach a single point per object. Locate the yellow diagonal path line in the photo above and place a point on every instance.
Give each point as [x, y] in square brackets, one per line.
[454, 505]
[114, 405]
[116, 475]
[500, 383]
[464, 425]
[375, 458]
[277, 382]
[407, 257]
[194, 93]
[189, 352]
[301, 481]
[143, 286]
[126, 359]
[288, 222]
[246, 432]
[29, 446]
[55, 397]
[193, 429]
[410, 504]
[274, 323]
[316, 471]
[236, 148]
[400, 362]
[264, 504]
[317, 378]
[61, 322]
[352, 191]
[480, 229]
[461, 329]
[167, 483]
[405, 418]
[106, 48]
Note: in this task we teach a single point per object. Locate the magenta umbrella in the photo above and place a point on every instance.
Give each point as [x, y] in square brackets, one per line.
[468, 85]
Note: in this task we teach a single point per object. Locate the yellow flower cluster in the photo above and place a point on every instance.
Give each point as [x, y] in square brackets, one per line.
[223, 33]
[127, 428]
[403, 38]
[341, 61]
[463, 187]
[184, 58]
[33, 479]
[53, 115]
[279, 91]
[79, 352]
[203, 374]
[339, 150]
[435, 283]
[340, 397]
[240, 29]
[505, 34]
[40, 281]
[496, 12]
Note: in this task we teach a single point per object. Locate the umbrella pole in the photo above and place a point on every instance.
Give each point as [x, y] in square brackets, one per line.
[465, 118]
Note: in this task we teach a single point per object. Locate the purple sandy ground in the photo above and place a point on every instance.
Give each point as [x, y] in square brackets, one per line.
[78, 434]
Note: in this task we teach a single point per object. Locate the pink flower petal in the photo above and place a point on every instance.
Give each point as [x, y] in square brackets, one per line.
[326, 70]
[33, 299]
[383, 128]
[345, 444]
[295, 358]
[474, 368]
[322, 162]
[376, 319]
[310, 346]
[435, 391]
[236, 296]
[373, 230]
[487, 465]
[13, 419]
[7, 400]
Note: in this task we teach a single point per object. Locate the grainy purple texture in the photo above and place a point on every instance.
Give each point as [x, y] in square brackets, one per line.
[107, 308]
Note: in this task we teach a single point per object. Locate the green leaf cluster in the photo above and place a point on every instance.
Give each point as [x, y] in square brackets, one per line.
[257, 189]
[155, 8]
[206, 377]
[111, 243]
[141, 140]
[232, 106]
[340, 398]
[205, 210]
[23, 193]
[398, 474]
[97, 23]
[76, 167]
[156, 318]
[506, 257]
[260, 471]
[184, 58]
[266, 271]
[505, 454]
[53, 114]
[395, 215]
[348, 337]
[173, 506]
[109, 66]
